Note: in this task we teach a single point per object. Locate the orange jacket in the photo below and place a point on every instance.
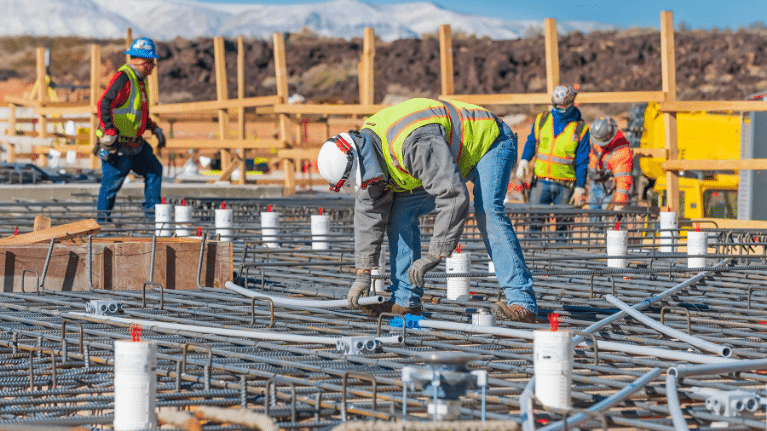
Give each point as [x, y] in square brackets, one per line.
[615, 157]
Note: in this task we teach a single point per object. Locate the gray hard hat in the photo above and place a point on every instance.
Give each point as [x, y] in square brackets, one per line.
[603, 130]
[563, 96]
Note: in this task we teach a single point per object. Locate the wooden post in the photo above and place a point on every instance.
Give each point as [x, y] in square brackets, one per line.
[552, 54]
[222, 93]
[94, 97]
[241, 110]
[10, 155]
[446, 59]
[42, 97]
[281, 75]
[367, 75]
[668, 72]
[128, 41]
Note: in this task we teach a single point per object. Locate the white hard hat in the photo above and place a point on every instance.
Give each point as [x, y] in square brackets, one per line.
[337, 160]
[603, 131]
[563, 96]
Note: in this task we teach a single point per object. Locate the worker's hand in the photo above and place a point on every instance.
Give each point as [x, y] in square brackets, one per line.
[109, 142]
[420, 267]
[360, 287]
[160, 138]
[619, 207]
[522, 169]
[579, 197]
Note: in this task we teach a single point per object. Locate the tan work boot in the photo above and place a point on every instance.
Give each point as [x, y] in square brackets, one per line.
[515, 312]
[389, 307]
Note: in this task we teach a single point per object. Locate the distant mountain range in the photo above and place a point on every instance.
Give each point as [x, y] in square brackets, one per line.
[167, 19]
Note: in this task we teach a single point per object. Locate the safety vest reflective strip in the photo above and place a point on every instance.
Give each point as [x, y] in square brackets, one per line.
[557, 162]
[127, 117]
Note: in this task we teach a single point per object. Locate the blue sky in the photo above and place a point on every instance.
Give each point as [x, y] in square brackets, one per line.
[623, 13]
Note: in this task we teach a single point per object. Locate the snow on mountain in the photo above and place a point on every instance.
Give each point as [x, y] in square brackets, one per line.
[167, 19]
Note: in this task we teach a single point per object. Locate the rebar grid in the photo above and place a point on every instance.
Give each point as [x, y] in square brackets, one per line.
[57, 365]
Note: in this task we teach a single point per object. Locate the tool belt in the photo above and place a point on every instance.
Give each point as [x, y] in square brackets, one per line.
[569, 184]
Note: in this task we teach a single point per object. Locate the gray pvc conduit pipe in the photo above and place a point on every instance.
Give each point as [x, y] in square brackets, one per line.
[528, 420]
[608, 402]
[671, 332]
[314, 303]
[674, 373]
[259, 335]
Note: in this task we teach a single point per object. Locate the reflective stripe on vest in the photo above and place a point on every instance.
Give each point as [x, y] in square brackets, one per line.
[604, 160]
[470, 129]
[127, 117]
[556, 154]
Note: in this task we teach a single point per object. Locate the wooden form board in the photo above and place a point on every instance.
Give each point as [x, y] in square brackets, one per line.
[59, 233]
[119, 265]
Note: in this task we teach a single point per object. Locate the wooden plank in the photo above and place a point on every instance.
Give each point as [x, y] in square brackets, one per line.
[503, 99]
[715, 106]
[42, 94]
[128, 41]
[446, 60]
[222, 93]
[229, 144]
[95, 92]
[299, 153]
[214, 105]
[78, 228]
[281, 76]
[620, 96]
[308, 109]
[716, 165]
[552, 54]
[41, 222]
[367, 77]
[80, 149]
[241, 110]
[650, 152]
[668, 75]
[732, 224]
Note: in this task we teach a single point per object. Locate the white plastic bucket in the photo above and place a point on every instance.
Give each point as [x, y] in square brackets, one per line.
[483, 318]
[320, 230]
[224, 223]
[617, 245]
[697, 245]
[668, 220]
[183, 216]
[553, 365]
[135, 385]
[379, 284]
[270, 228]
[163, 219]
[456, 264]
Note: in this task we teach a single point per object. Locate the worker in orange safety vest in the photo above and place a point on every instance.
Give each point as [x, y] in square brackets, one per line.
[610, 164]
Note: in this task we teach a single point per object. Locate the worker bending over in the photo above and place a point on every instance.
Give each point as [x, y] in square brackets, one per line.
[411, 159]
[610, 164]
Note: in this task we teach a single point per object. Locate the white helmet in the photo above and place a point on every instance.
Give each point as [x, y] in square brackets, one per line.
[563, 96]
[337, 160]
[603, 131]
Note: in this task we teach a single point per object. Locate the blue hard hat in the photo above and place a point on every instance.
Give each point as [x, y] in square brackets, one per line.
[143, 47]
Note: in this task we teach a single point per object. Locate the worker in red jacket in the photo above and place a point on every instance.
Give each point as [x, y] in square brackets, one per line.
[610, 164]
[123, 118]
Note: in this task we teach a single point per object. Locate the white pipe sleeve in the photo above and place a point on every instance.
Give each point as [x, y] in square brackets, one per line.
[314, 303]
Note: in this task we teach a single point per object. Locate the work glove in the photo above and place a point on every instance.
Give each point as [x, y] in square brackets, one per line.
[109, 142]
[360, 287]
[522, 169]
[160, 138]
[420, 267]
[619, 207]
[579, 197]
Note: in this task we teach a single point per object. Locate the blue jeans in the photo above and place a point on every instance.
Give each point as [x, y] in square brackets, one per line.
[547, 193]
[597, 198]
[113, 175]
[491, 179]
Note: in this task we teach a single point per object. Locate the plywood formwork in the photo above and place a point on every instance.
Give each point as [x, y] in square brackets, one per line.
[118, 264]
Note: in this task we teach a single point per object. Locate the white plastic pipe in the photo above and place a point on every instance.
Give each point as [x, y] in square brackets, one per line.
[697, 245]
[456, 264]
[270, 228]
[491, 269]
[135, 385]
[668, 223]
[671, 332]
[617, 245]
[149, 325]
[553, 365]
[163, 219]
[288, 302]
[379, 284]
[320, 229]
[183, 216]
[483, 318]
[224, 223]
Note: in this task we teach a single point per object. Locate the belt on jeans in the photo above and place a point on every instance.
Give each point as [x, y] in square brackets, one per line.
[565, 183]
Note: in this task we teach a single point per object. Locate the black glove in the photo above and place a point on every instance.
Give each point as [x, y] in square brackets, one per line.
[360, 287]
[160, 138]
[420, 267]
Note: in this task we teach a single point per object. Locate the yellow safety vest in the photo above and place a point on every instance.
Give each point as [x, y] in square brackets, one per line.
[556, 154]
[470, 132]
[127, 118]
